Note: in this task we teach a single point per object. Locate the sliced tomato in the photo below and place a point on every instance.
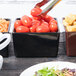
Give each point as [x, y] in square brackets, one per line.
[26, 21]
[35, 11]
[21, 29]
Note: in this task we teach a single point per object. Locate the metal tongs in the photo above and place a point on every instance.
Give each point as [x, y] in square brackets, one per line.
[46, 5]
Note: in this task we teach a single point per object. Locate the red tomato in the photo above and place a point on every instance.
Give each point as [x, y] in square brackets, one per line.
[52, 21]
[33, 29]
[47, 18]
[53, 27]
[35, 11]
[37, 18]
[43, 28]
[17, 23]
[26, 21]
[22, 29]
[44, 23]
[35, 24]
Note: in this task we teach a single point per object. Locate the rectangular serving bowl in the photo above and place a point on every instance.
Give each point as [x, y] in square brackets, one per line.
[5, 52]
[70, 42]
[36, 44]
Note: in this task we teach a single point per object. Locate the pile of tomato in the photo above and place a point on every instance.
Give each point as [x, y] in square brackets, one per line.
[36, 23]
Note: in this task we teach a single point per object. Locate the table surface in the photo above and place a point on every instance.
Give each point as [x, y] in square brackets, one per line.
[13, 66]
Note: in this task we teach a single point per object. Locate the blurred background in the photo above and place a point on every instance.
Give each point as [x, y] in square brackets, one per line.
[17, 8]
[13, 9]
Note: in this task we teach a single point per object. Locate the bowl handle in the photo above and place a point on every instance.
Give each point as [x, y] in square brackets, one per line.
[6, 42]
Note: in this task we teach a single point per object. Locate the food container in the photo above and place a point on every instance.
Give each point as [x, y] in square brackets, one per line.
[4, 41]
[36, 44]
[70, 42]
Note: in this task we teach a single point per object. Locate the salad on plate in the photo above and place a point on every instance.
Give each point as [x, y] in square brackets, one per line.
[55, 72]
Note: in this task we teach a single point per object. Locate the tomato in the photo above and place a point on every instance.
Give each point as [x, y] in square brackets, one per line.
[37, 18]
[52, 21]
[47, 18]
[43, 28]
[35, 24]
[53, 27]
[35, 11]
[44, 23]
[17, 23]
[22, 29]
[41, 21]
[33, 29]
[26, 21]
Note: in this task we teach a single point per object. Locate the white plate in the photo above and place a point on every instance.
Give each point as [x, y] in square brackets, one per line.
[60, 65]
[1, 61]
